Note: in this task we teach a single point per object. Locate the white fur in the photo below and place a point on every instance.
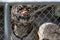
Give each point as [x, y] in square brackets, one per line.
[42, 29]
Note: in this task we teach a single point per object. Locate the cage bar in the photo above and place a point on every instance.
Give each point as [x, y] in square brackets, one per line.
[6, 22]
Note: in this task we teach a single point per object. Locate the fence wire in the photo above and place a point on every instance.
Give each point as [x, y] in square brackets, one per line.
[47, 15]
[1, 23]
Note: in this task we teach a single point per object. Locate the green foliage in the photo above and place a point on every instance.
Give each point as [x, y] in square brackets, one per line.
[57, 13]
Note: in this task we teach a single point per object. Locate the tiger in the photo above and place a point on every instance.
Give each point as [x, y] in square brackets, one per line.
[21, 22]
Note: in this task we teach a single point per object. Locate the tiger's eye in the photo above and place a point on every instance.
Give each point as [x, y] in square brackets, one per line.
[20, 8]
[28, 8]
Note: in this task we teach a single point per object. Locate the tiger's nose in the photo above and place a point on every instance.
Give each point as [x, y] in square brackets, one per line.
[24, 12]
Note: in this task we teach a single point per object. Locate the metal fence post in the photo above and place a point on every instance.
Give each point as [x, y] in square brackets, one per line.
[6, 21]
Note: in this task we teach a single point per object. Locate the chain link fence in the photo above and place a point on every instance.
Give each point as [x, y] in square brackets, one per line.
[42, 15]
[47, 14]
[1, 23]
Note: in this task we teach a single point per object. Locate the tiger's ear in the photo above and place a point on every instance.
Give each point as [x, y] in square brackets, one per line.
[35, 7]
[14, 6]
[24, 5]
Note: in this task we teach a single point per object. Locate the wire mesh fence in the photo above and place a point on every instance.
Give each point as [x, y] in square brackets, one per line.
[41, 14]
[47, 15]
[1, 23]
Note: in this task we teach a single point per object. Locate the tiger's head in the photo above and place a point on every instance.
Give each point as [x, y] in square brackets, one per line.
[21, 13]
